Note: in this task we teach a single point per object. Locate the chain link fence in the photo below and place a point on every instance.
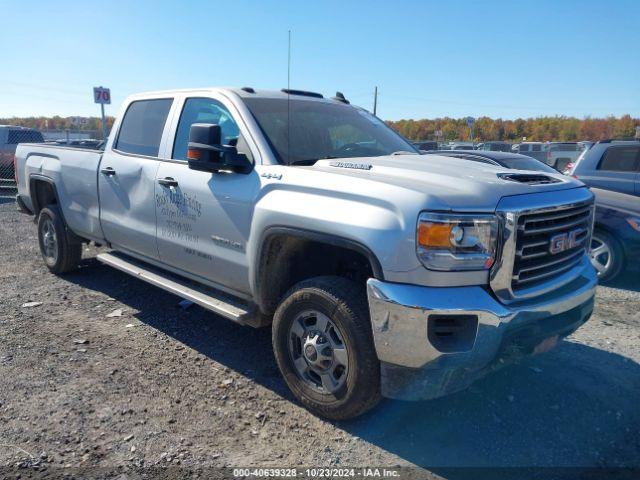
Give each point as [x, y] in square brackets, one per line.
[10, 137]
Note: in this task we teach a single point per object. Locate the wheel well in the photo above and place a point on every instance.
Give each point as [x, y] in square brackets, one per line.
[42, 194]
[287, 259]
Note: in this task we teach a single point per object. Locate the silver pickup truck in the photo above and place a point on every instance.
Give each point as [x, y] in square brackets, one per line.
[383, 272]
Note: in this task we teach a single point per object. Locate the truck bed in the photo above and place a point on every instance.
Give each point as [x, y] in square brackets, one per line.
[74, 171]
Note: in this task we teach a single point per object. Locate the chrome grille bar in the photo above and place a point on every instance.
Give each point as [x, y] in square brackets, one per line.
[526, 267]
[535, 260]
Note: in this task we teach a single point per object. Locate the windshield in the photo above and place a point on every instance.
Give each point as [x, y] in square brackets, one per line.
[303, 131]
[518, 163]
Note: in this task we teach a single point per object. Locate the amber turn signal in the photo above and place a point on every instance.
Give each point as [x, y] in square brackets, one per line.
[193, 154]
[434, 235]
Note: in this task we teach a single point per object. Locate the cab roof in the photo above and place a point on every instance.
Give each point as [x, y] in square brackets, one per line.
[242, 92]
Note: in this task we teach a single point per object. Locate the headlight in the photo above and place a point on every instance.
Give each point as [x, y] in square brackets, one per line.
[634, 222]
[457, 242]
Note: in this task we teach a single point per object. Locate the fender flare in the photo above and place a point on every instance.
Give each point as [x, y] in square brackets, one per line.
[36, 208]
[329, 239]
[34, 198]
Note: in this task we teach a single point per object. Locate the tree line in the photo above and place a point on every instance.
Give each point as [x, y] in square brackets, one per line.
[58, 123]
[559, 128]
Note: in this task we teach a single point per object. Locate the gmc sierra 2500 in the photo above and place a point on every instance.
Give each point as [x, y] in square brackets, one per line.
[382, 273]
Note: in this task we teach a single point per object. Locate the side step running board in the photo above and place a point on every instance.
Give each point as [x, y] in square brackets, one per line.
[211, 300]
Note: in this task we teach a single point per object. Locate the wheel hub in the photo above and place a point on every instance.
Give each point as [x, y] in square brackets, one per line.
[318, 351]
[310, 353]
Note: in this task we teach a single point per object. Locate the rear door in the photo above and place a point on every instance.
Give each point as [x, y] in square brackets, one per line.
[127, 178]
[618, 169]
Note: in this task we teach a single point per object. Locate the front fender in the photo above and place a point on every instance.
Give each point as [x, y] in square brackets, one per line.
[372, 227]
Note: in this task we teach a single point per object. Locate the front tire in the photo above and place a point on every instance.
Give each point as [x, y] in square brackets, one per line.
[60, 252]
[324, 347]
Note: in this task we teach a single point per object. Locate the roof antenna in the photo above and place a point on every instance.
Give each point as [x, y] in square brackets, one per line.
[289, 98]
[340, 98]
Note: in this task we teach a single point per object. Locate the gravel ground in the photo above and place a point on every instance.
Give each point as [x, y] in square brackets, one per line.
[108, 372]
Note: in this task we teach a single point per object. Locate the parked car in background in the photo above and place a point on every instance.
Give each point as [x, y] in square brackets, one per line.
[559, 154]
[615, 244]
[460, 146]
[10, 137]
[494, 146]
[610, 165]
[426, 145]
[535, 150]
[509, 160]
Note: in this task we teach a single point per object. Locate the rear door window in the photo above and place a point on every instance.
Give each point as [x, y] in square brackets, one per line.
[142, 127]
[523, 148]
[620, 159]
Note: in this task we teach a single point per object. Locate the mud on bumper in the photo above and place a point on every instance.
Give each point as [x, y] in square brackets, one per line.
[433, 341]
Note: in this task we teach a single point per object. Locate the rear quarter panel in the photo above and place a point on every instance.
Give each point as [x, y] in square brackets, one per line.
[74, 173]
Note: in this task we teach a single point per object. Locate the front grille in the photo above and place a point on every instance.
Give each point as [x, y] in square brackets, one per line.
[549, 243]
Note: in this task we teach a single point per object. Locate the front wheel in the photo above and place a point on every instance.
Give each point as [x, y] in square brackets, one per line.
[606, 255]
[324, 347]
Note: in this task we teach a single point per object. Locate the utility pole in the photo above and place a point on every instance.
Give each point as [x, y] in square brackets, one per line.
[289, 63]
[375, 100]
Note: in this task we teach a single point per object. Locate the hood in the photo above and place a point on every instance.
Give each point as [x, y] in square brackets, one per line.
[449, 183]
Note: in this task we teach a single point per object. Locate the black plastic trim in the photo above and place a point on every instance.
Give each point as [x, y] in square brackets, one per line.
[302, 93]
[317, 237]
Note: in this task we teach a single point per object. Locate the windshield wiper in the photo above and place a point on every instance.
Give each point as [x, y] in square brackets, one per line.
[311, 161]
[306, 161]
[404, 152]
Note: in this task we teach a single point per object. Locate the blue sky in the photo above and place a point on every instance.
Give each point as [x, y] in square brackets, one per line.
[504, 59]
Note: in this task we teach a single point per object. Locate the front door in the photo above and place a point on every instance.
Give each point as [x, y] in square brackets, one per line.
[127, 179]
[204, 218]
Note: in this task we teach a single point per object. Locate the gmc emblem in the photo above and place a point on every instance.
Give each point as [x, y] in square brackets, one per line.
[564, 241]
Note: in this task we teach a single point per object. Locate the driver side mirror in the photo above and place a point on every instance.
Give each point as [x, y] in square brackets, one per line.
[206, 153]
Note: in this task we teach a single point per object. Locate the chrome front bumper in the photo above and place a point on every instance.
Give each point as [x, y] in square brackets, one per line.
[405, 319]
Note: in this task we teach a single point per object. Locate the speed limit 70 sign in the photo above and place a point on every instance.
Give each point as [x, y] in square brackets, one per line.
[101, 95]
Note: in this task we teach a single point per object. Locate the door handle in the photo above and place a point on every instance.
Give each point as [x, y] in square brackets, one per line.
[108, 171]
[168, 182]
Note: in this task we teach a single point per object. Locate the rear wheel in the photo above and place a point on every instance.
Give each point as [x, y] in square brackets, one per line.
[606, 255]
[60, 251]
[324, 347]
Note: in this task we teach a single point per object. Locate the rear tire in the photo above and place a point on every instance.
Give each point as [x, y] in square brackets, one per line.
[606, 255]
[324, 347]
[60, 251]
